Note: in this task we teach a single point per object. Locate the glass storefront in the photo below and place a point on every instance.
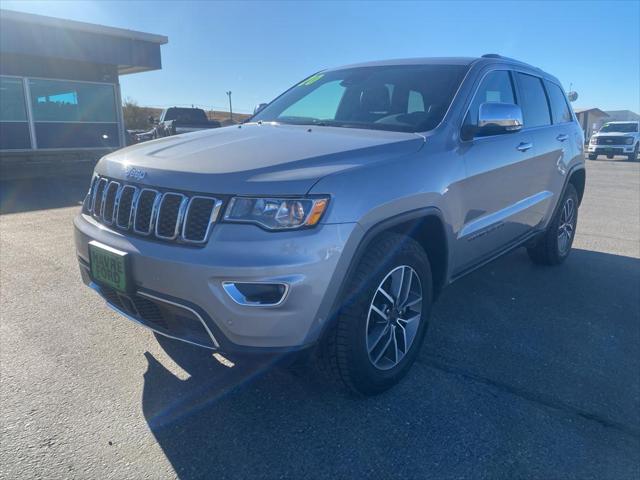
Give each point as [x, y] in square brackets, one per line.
[14, 124]
[64, 114]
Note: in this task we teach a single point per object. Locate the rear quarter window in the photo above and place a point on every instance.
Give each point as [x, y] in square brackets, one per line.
[559, 109]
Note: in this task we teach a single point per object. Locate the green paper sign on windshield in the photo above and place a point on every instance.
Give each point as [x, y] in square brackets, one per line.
[311, 80]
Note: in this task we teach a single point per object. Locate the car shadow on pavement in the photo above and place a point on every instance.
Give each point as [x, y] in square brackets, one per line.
[26, 195]
[526, 372]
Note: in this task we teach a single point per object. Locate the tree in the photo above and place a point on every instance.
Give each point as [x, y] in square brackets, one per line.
[135, 116]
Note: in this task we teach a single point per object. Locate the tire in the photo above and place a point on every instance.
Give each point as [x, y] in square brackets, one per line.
[347, 353]
[633, 156]
[593, 156]
[550, 249]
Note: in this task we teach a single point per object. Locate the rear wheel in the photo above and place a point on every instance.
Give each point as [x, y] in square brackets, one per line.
[381, 326]
[555, 245]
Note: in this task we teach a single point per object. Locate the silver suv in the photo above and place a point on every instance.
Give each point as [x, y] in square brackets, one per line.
[331, 220]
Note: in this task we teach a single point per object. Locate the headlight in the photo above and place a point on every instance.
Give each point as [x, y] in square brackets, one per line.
[628, 141]
[276, 213]
[594, 140]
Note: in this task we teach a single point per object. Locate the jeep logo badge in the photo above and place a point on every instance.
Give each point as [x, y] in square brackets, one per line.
[135, 173]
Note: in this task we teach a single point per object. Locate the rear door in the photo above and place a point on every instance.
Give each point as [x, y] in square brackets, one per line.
[498, 193]
[550, 141]
[565, 141]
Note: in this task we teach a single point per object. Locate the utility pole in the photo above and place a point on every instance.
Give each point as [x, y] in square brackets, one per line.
[230, 109]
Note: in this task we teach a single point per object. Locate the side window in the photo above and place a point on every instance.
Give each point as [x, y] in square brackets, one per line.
[535, 108]
[559, 108]
[495, 87]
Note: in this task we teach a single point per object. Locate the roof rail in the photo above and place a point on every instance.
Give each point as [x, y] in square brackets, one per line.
[495, 55]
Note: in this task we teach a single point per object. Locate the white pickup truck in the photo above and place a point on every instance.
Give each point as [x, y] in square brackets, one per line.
[615, 138]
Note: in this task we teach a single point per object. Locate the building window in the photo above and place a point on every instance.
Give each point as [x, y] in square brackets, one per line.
[73, 114]
[14, 125]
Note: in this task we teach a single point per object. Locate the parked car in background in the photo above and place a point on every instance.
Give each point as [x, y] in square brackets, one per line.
[177, 120]
[333, 218]
[616, 138]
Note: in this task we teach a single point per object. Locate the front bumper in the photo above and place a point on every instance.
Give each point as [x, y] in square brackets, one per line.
[310, 262]
[610, 149]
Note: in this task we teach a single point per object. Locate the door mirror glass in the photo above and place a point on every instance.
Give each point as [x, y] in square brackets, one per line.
[258, 108]
[497, 118]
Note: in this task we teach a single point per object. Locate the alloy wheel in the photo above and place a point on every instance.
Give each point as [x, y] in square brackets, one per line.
[394, 317]
[566, 228]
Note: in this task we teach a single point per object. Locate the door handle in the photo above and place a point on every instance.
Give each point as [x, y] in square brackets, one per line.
[523, 147]
[562, 137]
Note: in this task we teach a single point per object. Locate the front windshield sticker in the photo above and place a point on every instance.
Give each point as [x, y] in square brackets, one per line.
[311, 80]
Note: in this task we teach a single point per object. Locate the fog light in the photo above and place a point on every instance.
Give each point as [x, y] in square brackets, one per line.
[256, 294]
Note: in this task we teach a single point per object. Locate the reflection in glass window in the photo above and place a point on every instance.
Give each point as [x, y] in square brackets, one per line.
[415, 102]
[14, 129]
[321, 103]
[64, 101]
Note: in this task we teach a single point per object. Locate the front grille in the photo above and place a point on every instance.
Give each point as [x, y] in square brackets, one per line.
[611, 140]
[145, 211]
[172, 207]
[168, 216]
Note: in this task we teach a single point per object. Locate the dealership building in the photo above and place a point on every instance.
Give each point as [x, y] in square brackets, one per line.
[60, 101]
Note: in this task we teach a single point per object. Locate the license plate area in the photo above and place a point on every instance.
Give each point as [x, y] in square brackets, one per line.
[109, 267]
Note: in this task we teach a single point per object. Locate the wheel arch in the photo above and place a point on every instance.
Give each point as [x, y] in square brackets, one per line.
[578, 179]
[427, 227]
[418, 224]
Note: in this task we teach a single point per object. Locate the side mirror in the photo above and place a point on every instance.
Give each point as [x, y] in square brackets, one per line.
[259, 108]
[572, 96]
[498, 118]
[153, 121]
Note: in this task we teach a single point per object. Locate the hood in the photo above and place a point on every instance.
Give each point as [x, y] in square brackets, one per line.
[614, 134]
[271, 159]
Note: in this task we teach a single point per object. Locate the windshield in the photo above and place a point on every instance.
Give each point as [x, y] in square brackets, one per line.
[620, 127]
[407, 98]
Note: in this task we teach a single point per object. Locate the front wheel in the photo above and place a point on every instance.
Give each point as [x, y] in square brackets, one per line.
[633, 157]
[593, 156]
[384, 317]
[555, 244]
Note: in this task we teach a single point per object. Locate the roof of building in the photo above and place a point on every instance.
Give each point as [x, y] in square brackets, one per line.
[593, 109]
[129, 50]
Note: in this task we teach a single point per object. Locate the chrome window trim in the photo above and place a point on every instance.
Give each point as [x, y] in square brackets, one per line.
[105, 194]
[215, 211]
[154, 209]
[181, 209]
[131, 209]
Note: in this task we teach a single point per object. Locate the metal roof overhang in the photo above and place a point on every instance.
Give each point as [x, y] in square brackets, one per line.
[36, 35]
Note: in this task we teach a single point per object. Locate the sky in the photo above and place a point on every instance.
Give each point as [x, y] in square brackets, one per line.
[259, 49]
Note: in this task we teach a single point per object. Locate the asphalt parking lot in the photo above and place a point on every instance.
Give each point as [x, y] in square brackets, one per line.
[526, 372]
